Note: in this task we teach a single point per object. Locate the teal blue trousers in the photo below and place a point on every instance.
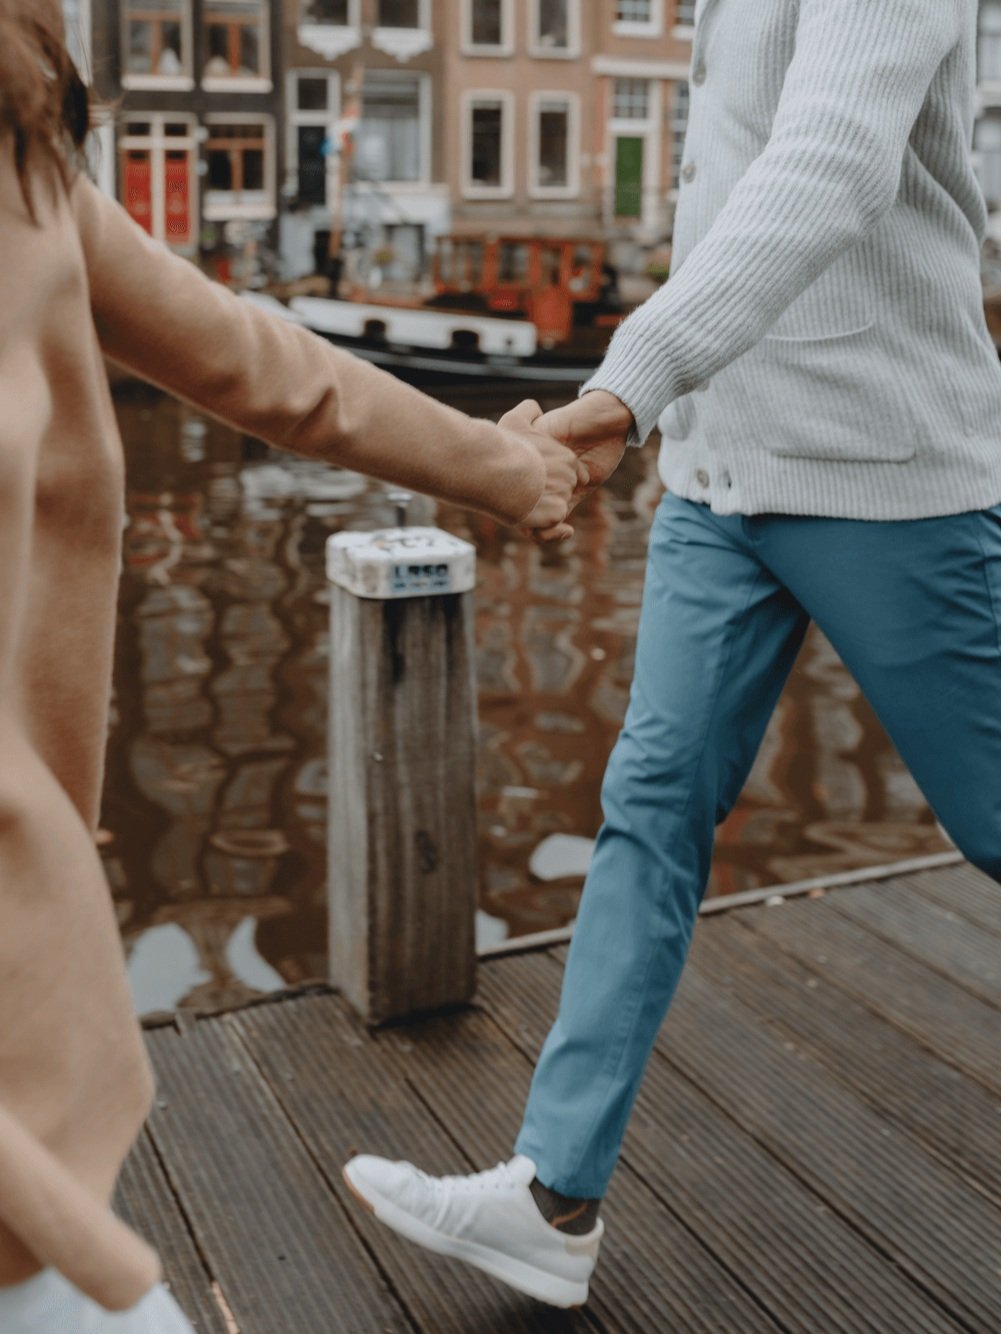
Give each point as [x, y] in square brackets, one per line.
[913, 608]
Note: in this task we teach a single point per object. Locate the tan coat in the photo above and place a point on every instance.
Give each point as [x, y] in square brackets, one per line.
[82, 282]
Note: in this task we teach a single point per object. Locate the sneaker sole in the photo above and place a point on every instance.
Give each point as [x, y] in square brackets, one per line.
[515, 1273]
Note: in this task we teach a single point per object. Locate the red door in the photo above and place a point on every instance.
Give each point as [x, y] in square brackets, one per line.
[177, 196]
[138, 187]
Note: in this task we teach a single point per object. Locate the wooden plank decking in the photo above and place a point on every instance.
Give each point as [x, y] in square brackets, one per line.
[817, 1144]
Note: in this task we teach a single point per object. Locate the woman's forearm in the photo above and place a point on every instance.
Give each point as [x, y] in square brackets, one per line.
[162, 318]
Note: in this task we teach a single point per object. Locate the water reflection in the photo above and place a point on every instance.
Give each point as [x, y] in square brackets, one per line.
[214, 811]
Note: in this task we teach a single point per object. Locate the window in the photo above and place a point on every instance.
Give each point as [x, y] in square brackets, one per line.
[76, 17]
[399, 14]
[987, 156]
[155, 40]
[512, 262]
[403, 28]
[390, 140]
[486, 165]
[631, 99]
[684, 13]
[313, 107]
[337, 12]
[158, 178]
[240, 178]
[555, 27]
[639, 18]
[679, 127]
[487, 27]
[236, 43]
[555, 154]
[331, 28]
[990, 42]
[487, 169]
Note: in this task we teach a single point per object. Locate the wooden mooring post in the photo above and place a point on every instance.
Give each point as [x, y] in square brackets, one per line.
[402, 754]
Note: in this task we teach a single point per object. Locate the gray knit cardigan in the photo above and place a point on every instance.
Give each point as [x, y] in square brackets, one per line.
[820, 345]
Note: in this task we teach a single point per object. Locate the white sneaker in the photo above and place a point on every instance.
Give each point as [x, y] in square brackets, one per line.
[489, 1219]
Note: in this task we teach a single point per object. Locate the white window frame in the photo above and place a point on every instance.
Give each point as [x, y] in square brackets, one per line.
[649, 130]
[989, 37]
[424, 113]
[980, 158]
[331, 40]
[684, 31]
[181, 83]
[504, 98]
[295, 118]
[672, 129]
[258, 83]
[157, 142]
[506, 45]
[405, 43]
[569, 52]
[215, 210]
[536, 189]
[79, 34]
[632, 28]
[620, 78]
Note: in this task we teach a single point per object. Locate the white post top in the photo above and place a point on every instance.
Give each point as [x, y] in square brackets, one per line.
[401, 563]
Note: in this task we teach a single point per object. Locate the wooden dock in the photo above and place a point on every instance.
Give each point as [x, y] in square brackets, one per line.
[817, 1144]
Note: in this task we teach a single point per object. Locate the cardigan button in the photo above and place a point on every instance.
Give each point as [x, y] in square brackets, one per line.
[702, 477]
[688, 171]
[699, 74]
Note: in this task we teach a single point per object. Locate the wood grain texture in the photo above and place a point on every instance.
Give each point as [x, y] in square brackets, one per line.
[961, 1028]
[952, 1115]
[402, 803]
[653, 1274]
[753, 1215]
[931, 933]
[813, 1146]
[345, 1092]
[939, 1231]
[146, 1200]
[272, 1232]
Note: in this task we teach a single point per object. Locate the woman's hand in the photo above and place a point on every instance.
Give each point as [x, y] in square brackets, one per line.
[565, 475]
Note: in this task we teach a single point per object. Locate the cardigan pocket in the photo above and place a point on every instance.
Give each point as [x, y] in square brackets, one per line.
[839, 302]
[834, 397]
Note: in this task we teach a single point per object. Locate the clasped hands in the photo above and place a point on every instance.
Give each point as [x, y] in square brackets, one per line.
[581, 444]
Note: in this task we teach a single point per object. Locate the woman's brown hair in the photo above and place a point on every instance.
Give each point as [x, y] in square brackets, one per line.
[44, 102]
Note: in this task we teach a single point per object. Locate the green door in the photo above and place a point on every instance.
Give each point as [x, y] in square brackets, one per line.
[628, 177]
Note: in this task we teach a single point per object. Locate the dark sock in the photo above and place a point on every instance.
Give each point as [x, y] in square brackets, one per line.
[563, 1211]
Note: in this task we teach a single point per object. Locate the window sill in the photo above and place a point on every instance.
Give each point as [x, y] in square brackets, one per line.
[175, 83]
[221, 209]
[554, 52]
[236, 85]
[487, 192]
[402, 43]
[488, 52]
[638, 29]
[554, 192]
[328, 39]
[684, 32]
[397, 187]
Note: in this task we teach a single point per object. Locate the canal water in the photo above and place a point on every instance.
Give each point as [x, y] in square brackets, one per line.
[213, 822]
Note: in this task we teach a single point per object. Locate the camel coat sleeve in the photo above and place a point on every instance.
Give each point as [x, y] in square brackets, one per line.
[159, 316]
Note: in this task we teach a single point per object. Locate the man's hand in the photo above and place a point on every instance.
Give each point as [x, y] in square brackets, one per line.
[565, 474]
[594, 427]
